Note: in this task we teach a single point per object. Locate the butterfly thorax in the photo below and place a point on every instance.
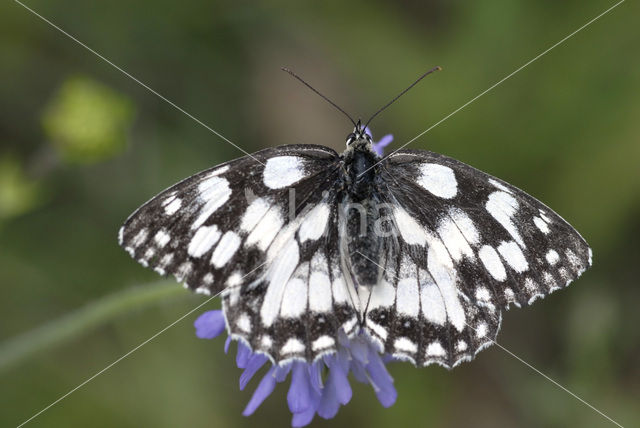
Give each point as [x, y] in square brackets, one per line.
[360, 244]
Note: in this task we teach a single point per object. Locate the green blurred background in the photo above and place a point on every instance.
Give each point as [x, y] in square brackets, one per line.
[82, 145]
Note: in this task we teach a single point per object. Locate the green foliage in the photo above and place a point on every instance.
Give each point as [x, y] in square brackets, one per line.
[87, 121]
[18, 193]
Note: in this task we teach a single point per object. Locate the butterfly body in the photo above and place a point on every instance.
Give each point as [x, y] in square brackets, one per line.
[416, 250]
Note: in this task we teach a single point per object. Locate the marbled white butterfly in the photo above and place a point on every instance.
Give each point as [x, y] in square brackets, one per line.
[417, 250]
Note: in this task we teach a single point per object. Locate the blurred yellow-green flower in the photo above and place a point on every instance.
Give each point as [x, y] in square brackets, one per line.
[87, 121]
[18, 193]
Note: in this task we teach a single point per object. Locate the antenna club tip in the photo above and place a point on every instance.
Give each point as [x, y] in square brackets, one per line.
[438, 68]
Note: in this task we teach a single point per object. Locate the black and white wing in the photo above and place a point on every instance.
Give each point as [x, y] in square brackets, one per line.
[465, 246]
[261, 230]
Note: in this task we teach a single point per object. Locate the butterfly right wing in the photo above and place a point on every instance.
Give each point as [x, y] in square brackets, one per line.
[464, 245]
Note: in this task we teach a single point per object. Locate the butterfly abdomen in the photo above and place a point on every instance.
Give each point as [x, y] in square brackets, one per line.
[361, 214]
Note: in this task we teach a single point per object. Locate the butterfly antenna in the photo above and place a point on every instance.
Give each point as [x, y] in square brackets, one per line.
[323, 97]
[438, 68]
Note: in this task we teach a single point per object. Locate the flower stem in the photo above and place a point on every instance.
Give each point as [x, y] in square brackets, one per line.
[84, 319]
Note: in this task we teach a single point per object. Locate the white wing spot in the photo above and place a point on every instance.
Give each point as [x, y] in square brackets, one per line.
[433, 308]
[166, 259]
[509, 295]
[183, 271]
[172, 205]
[162, 238]
[140, 237]
[548, 279]
[461, 346]
[255, 211]
[499, 185]
[202, 241]
[283, 171]
[339, 287]
[439, 180]
[483, 293]
[279, 273]
[314, 223]
[214, 192]
[465, 224]
[410, 230]
[266, 342]
[454, 240]
[502, 207]
[541, 225]
[266, 229]
[482, 329]
[226, 249]
[544, 216]
[492, 263]
[552, 257]
[244, 322]
[441, 269]
[403, 344]
[149, 253]
[511, 252]
[293, 346]
[382, 295]
[294, 300]
[408, 297]
[323, 342]
[435, 349]
[574, 260]
[219, 171]
[319, 292]
[377, 329]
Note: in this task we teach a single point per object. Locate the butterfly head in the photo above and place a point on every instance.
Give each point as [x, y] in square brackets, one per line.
[359, 134]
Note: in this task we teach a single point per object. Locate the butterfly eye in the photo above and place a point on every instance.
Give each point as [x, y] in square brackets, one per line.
[350, 138]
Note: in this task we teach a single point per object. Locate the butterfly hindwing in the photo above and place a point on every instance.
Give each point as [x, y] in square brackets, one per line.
[481, 242]
[301, 304]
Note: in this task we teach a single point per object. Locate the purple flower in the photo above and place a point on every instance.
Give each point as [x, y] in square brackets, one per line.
[320, 387]
[378, 146]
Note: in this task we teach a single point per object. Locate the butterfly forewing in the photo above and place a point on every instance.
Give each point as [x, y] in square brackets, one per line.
[217, 225]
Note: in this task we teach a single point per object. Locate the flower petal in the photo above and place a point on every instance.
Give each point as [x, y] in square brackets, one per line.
[282, 372]
[359, 372]
[304, 418]
[255, 363]
[243, 355]
[264, 389]
[339, 382]
[379, 146]
[209, 325]
[299, 395]
[381, 380]
[329, 404]
[315, 376]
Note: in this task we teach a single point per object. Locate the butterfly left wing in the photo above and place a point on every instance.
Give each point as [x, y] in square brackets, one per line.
[303, 303]
[261, 230]
[213, 229]
[464, 246]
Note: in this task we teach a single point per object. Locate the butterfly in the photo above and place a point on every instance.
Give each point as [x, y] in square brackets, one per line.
[419, 251]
